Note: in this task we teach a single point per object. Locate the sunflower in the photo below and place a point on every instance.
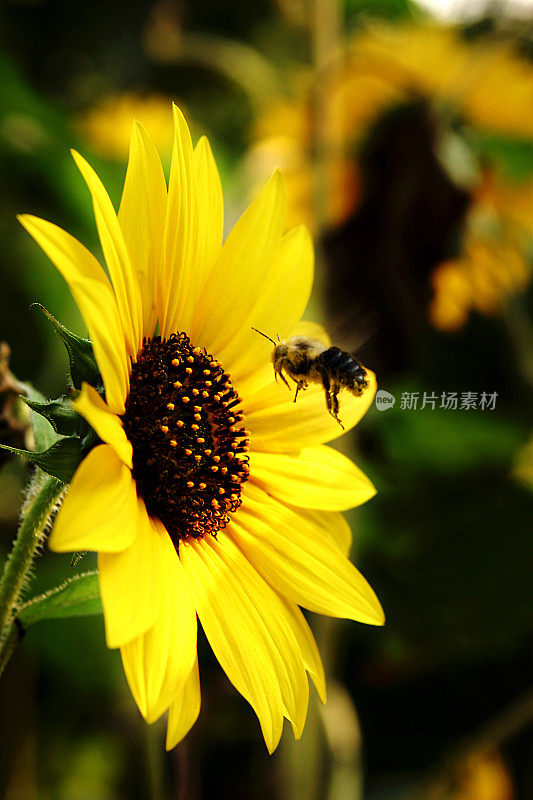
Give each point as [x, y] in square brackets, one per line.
[211, 494]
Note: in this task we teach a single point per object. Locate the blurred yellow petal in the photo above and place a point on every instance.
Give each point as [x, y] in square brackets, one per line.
[131, 587]
[116, 255]
[314, 477]
[107, 425]
[158, 663]
[142, 218]
[177, 271]
[292, 555]
[239, 275]
[184, 710]
[100, 510]
[95, 299]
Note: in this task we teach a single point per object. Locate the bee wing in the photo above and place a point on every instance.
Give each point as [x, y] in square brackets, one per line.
[352, 329]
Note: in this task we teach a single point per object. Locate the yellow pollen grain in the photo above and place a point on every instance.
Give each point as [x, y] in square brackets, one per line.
[188, 452]
[234, 497]
[190, 484]
[200, 439]
[188, 370]
[190, 359]
[197, 417]
[197, 351]
[195, 391]
[208, 383]
[217, 397]
[180, 423]
[185, 399]
[208, 452]
[194, 427]
[207, 372]
[197, 408]
[177, 384]
[216, 459]
[175, 362]
[173, 443]
[202, 486]
[205, 394]
[164, 429]
[215, 503]
[171, 406]
[197, 458]
[221, 490]
[231, 420]
[214, 468]
[224, 470]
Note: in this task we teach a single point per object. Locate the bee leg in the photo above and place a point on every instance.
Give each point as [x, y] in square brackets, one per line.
[335, 404]
[282, 376]
[300, 385]
[331, 396]
[332, 401]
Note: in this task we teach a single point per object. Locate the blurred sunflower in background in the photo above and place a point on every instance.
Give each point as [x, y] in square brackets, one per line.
[388, 95]
[211, 492]
[495, 262]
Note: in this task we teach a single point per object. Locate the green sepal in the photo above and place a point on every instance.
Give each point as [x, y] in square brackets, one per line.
[83, 366]
[77, 597]
[61, 415]
[60, 460]
[43, 432]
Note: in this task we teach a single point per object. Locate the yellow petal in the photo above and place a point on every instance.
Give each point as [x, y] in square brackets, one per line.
[142, 218]
[314, 477]
[178, 248]
[239, 274]
[130, 583]
[184, 711]
[277, 307]
[308, 648]
[293, 555]
[95, 299]
[209, 226]
[277, 423]
[333, 527]
[158, 662]
[107, 425]
[250, 632]
[100, 509]
[122, 275]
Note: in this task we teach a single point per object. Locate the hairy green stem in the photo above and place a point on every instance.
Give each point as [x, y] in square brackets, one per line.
[43, 499]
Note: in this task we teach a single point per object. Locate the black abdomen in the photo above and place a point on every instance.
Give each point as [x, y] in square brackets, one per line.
[344, 368]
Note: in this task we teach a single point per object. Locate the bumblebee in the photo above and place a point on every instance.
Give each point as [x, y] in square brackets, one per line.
[306, 361]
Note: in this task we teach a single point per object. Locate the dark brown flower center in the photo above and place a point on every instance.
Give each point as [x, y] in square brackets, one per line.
[189, 444]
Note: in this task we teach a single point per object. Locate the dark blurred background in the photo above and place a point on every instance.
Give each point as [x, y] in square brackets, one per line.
[406, 139]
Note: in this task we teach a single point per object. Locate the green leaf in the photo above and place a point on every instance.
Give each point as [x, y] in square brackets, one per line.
[60, 460]
[44, 433]
[60, 414]
[77, 597]
[83, 366]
